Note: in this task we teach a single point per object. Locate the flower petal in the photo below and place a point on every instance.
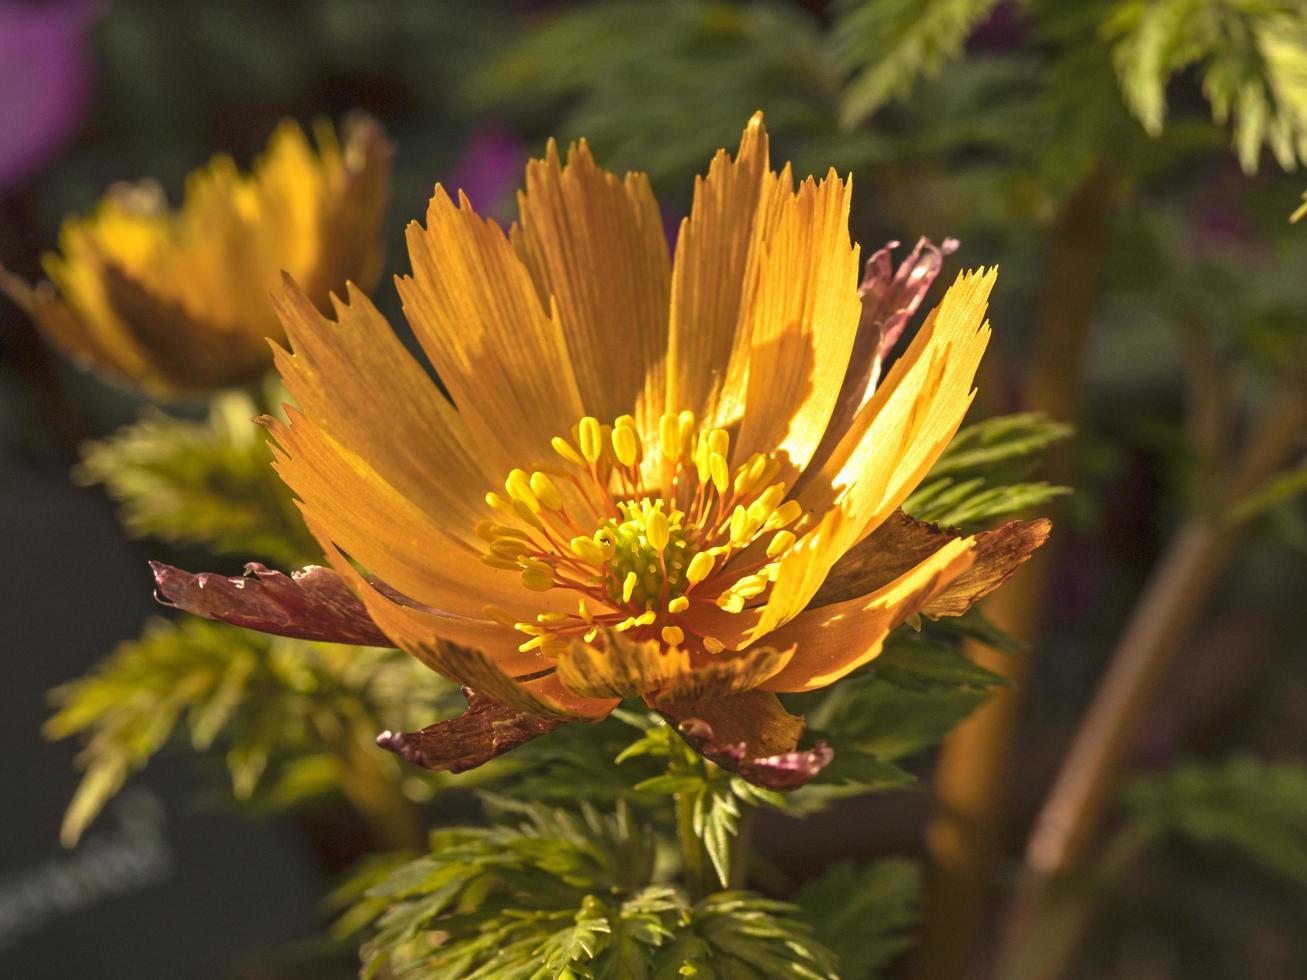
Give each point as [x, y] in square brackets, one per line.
[837, 639]
[802, 321]
[594, 243]
[485, 730]
[312, 603]
[889, 298]
[349, 504]
[902, 542]
[892, 444]
[751, 734]
[714, 265]
[358, 383]
[623, 668]
[478, 316]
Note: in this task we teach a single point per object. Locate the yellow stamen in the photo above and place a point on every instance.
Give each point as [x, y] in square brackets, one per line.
[628, 586]
[782, 542]
[626, 445]
[567, 450]
[700, 567]
[672, 635]
[713, 645]
[658, 531]
[591, 437]
[678, 605]
[546, 492]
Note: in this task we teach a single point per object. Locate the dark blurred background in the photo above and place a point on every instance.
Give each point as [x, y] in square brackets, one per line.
[989, 149]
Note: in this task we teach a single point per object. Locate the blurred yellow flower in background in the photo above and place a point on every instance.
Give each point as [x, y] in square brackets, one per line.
[177, 302]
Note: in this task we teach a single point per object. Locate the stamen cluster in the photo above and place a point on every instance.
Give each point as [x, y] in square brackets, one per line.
[643, 534]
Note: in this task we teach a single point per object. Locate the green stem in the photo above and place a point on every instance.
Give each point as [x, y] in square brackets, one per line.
[696, 868]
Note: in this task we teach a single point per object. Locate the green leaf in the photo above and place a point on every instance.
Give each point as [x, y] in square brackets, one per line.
[206, 482]
[889, 44]
[863, 913]
[979, 477]
[1252, 57]
[296, 711]
[1257, 808]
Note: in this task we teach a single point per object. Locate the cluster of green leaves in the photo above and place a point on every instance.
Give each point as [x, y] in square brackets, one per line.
[864, 914]
[1257, 808]
[559, 895]
[293, 719]
[981, 476]
[1252, 56]
[207, 482]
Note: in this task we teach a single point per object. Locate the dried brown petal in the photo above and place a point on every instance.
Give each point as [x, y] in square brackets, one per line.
[889, 299]
[313, 603]
[750, 734]
[485, 730]
[903, 542]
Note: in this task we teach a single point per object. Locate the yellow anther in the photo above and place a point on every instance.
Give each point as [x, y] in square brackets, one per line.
[781, 543]
[718, 471]
[591, 438]
[700, 567]
[552, 617]
[730, 602]
[531, 644]
[526, 515]
[606, 541]
[746, 477]
[673, 635]
[499, 503]
[786, 513]
[678, 605]
[626, 445]
[624, 422]
[669, 437]
[625, 624]
[628, 586]
[546, 492]
[535, 565]
[537, 582]
[499, 616]
[486, 530]
[530, 629]
[567, 450]
[719, 442]
[701, 454]
[518, 486]
[591, 633]
[587, 549]
[509, 547]
[658, 531]
[771, 497]
[685, 422]
[495, 561]
[583, 610]
[749, 586]
[713, 645]
[744, 525]
[504, 531]
[646, 618]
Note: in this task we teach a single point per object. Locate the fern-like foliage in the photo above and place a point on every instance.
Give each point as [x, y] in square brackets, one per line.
[1257, 808]
[979, 477]
[889, 45]
[546, 893]
[1251, 54]
[292, 718]
[863, 913]
[208, 482]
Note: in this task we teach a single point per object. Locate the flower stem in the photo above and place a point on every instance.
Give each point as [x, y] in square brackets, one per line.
[696, 868]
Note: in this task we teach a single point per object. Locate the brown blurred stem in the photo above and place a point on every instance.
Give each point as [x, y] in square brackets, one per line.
[973, 773]
[1176, 593]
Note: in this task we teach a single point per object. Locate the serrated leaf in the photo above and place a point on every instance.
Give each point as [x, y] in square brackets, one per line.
[1258, 808]
[863, 913]
[206, 482]
[889, 45]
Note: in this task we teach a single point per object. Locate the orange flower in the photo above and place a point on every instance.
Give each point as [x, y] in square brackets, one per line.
[632, 487]
[177, 301]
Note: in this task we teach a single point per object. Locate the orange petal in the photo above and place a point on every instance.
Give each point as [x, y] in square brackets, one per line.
[595, 244]
[502, 357]
[358, 383]
[802, 321]
[834, 640]
[713, 270]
